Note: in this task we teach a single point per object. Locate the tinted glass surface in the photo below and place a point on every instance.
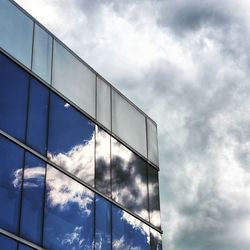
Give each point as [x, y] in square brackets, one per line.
[14, 83]
[73, 79]
[71, 140]
[7, 243]
[129, 179]
[155, 240]
[103, 103]
[154, 199]
[10, 184]
[42, 54]
[128, 123]
[102, 172]
[24, 247]
[128, 232]
[38, 116]
[69, 213]
[16, 31]
[152, 142]
[102, 224]
[32, 199]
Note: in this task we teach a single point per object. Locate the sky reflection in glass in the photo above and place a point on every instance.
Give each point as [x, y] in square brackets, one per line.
[128, 232]
[71, 140]
[154, 199]
[69, 213]
[38, 116]
[155, 240]
[10, 185]
[32, 199]
[7, 243]
[102, 224]
[14, 86]
[129, 179]
[102, 171]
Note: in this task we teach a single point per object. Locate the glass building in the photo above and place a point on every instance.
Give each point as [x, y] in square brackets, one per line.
[78, 160]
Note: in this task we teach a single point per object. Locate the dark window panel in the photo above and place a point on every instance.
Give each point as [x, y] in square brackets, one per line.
[7, 244]
[37, 119]
[24, 247]
[154, 199]
[14, 83]
[11, 162]
[155, 240]
[102, 172]
[102, 224]
[129, 179]
[128, 232]
[71, 140]
[69, 213]
[32, 199]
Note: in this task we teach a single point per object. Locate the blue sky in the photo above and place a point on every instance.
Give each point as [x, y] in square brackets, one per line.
[186, 64]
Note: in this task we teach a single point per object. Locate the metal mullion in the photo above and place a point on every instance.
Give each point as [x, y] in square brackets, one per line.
[78, 180]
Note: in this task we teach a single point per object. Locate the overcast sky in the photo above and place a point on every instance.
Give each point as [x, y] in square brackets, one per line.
[187, 64]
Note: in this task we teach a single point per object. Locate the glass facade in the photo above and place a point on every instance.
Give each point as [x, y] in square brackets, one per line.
[75, 172]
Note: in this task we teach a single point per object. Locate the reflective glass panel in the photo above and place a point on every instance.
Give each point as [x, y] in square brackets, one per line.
[102, 224]
[16, 31]
[42, 53]
[24, 247]
[129, 179]
[128, 232]
[73, 79]
[155, 240]
[32, 199]
[37, 118]
[14, 83]
[152, 142]
[102, 172]
[69, 213]
[154, 199]
[7, 244]
[103, 103]
[128, 123]
[11, 158]
[71, 140]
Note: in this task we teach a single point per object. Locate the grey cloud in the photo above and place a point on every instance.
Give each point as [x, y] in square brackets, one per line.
[201, 110]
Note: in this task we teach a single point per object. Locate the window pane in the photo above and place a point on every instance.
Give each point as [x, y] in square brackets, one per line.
[32, 199]
[16, 31]
[73, 79]
[128, 123]
[7, 243]
[69, 213]
[129, 179]
[155, 240]
[11, 157]
[37, 120]
[103, 103]
[24, 247]
[103, 224]
[128, 232]
[152, 142]
[13, 98]
[102, 174]
[154, 199]
[71, 140]
[42, 53]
